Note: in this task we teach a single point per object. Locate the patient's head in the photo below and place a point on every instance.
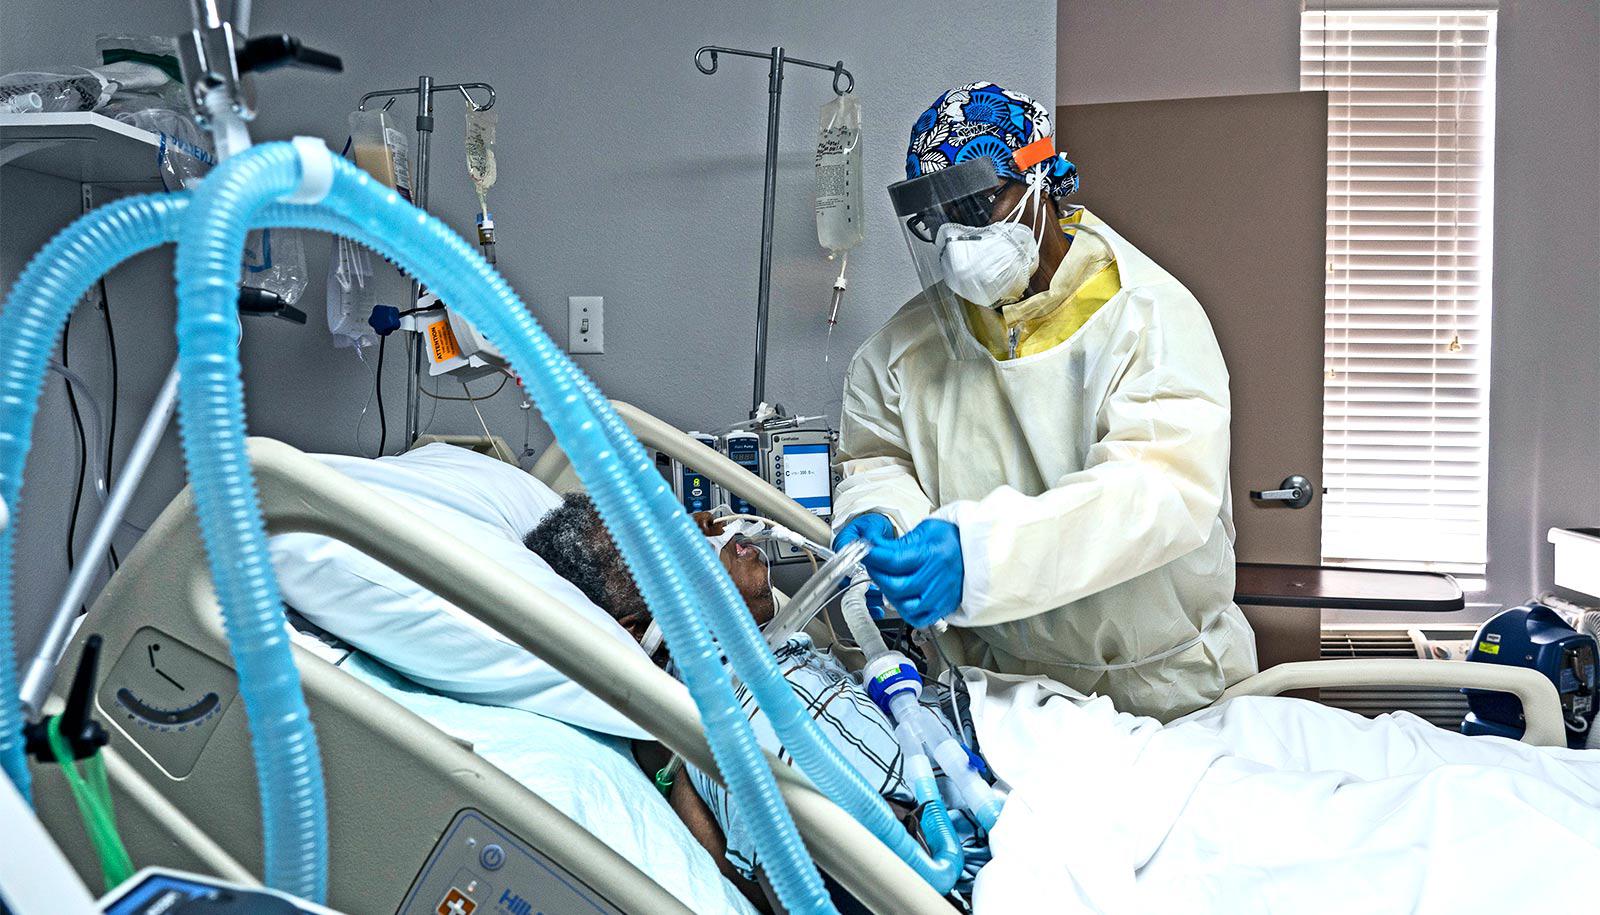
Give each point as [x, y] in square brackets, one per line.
[574, 541]
[746, 566]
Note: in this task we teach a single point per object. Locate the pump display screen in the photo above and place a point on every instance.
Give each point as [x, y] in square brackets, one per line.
[806, 477]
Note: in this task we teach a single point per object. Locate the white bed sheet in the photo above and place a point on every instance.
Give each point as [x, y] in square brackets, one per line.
[1274, 805]
[591, 777]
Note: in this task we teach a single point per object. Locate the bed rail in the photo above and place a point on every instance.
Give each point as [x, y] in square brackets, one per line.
[555, 469]
[1541, 706]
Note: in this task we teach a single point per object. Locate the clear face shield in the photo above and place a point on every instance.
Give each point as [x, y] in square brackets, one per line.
[963, 248]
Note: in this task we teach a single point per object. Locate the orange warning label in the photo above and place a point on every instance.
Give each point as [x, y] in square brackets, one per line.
[442, 343]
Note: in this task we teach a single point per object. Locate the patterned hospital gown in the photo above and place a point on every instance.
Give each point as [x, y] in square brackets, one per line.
[848, 717]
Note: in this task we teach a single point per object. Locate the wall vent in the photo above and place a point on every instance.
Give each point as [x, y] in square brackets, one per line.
[1441, 707]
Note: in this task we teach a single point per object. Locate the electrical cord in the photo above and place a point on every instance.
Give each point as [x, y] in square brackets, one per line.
[383, 422]
[473, 398]
[83, 451]
[111, 424]
[951, 689]
[474, 401]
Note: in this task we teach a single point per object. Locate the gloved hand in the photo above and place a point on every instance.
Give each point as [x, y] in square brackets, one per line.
[871, 527]
[921, 573]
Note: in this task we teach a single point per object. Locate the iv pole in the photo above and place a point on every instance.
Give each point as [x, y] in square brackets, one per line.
[424, 91]
[776, 58]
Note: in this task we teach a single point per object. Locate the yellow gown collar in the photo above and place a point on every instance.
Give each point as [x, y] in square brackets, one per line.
[1085, 280]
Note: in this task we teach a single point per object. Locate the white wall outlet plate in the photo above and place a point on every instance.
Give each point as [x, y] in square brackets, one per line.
[586, 324]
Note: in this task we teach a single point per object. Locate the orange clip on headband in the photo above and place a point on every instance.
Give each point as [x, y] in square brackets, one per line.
[1034, 153]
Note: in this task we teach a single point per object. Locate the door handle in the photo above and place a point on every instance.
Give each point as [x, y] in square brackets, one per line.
[1295, 492]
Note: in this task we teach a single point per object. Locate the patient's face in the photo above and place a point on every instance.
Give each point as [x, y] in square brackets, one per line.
[576, 544]
[746, 566]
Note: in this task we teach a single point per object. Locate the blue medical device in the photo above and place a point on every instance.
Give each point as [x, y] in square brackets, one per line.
[744, 449]
[694, 488]
[1534, 636]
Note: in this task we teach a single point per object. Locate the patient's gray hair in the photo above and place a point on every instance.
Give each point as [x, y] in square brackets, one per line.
[574, 541]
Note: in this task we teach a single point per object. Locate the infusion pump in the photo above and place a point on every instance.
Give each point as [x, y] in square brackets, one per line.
[798, 461]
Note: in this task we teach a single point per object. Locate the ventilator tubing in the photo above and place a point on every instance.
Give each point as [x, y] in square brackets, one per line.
[971, 791]
[936, 826]
[207, 267]
[30, 324]
[919, 722]
[858, 616]
[639, 508]
[753, 662]
[815, 593]
[621, 482]
[33, 317]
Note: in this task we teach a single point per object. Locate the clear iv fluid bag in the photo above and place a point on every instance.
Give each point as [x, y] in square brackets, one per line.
[839, 216]
[480, 150]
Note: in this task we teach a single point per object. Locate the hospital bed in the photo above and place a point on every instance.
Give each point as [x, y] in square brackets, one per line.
[412, 809]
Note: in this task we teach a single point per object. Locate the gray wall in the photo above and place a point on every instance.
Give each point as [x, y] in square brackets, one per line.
[624, 172]
[1545, 376]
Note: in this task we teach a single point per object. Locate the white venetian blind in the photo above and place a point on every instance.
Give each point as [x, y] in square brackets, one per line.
[1405, 396]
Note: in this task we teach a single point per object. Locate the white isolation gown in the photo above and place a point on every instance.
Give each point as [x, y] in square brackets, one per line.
[1089, 482]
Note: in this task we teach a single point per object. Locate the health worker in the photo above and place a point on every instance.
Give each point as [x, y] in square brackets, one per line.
[1036, 444]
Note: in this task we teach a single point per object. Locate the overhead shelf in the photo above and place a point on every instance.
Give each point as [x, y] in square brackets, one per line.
[80, 146]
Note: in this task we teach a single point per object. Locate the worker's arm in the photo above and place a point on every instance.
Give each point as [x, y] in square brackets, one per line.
[873, 454]
[1149, 492]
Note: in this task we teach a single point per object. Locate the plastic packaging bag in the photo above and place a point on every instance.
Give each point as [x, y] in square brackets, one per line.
[352, 293]
[839, 217]
[78, 90]
[146, 74]
[275, 260]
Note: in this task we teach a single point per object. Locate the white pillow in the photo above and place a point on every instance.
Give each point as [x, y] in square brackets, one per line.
[488, 505]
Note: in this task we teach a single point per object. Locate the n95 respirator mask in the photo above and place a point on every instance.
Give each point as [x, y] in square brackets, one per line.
[987, 265]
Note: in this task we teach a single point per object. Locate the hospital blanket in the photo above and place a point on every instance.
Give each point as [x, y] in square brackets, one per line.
[588, 776]
[1274, 805]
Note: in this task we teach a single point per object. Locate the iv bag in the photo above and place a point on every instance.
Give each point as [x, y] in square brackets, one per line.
[352, 293]
[839, 217]
[480, 151]
[381, 149]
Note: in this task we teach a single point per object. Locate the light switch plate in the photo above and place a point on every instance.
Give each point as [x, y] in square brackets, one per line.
[586, 324]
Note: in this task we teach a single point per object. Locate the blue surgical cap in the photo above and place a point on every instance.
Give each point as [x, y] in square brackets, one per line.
[982, 119]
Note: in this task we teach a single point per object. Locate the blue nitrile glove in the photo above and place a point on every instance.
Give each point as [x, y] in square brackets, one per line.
[874, 600]
[871, 527]
[920, 573]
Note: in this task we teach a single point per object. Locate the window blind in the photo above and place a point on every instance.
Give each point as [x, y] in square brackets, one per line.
[1406, 335]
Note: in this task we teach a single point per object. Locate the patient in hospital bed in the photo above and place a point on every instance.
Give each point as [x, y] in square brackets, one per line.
[573, 540]
[1259, 805]
[1255, 805]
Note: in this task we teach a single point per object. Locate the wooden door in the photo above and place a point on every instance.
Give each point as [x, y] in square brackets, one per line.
[1229, 195]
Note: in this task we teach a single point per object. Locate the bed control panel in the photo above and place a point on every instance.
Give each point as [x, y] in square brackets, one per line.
[167, 698]
[479, 868]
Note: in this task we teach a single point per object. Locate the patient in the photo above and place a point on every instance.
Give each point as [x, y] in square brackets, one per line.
[574, 541]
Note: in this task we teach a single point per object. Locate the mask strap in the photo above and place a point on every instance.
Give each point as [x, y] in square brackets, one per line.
[1034, 196]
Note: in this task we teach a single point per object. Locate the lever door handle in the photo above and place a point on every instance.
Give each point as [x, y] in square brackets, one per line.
[1295, 492]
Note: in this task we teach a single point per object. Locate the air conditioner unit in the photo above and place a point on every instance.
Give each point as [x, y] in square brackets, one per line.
[1447, 644]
